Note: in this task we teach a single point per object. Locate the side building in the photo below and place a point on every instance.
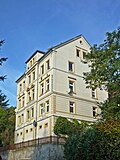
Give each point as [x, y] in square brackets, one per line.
[53, 86]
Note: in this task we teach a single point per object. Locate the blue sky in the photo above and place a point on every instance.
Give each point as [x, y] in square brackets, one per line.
[28, 25]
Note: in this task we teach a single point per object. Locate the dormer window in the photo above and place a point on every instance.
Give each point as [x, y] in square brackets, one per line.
[30, 63]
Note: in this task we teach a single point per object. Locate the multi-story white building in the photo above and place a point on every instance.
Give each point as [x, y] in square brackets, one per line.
[53, 86]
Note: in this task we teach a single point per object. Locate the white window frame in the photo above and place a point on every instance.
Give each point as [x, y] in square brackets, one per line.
[42, 88]
[47, 106]
[71, 86]
[47, 85]
[41, 108]
[72, 105]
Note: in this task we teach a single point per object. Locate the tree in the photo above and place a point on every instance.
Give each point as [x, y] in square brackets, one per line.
[7, 125]
[7, 115]
[3, 101]
[1, 61]
[105, 72]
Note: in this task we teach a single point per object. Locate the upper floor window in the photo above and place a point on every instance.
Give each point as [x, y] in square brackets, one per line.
[47, 106]
[28, 114]
[20, 87]
[22, 118]
[42, 88]
[94, 93]
[42, 69]
[33, 75]
[23, 85]
[71, 66]
[94, 111]
[33, 60]
[41, 108]
[19, 103]
[47, 85]
[30, 63]
[23, 101]
[33, 94]
[84, 55]
[72, 107]
[19, 120]
[72, 86]
[32, 112]
[48, 65]
[29, 79]
[77, 52]
[29, 97]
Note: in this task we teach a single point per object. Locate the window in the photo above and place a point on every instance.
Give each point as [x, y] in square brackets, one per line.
[20, 87]
[72, 107]
[29, 97]
[21, 133]
[47, 85]
[29, 79]
[71, 66]
[94, 111]
[33, 94]
[33, 60]
[72, 86]
[19, 120]
[40, 127]
[27, 131]
[28, 114]
[23, 101]
[33, 75]
[23, 85]
[94, 93]
[19, 103]
[46, 125]
[47, 106]
[42, 88]
[84, 55]
[32, 112]
[41, 108]
[77, 52]
[22, 119]
[31, 129]
[48, 65]
[42, 69]
[30, 63]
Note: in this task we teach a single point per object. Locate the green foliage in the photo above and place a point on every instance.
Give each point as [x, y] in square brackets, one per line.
[65, 127]
[7, 125]
[98, 142]
[1, 62]
[7, 115]
[105, 72]
[3, 101]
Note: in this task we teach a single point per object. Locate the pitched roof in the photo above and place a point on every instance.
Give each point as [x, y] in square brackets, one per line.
[68, 41]
[34, 54]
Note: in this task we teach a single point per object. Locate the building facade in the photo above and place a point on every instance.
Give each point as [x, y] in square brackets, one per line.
[53, 86]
